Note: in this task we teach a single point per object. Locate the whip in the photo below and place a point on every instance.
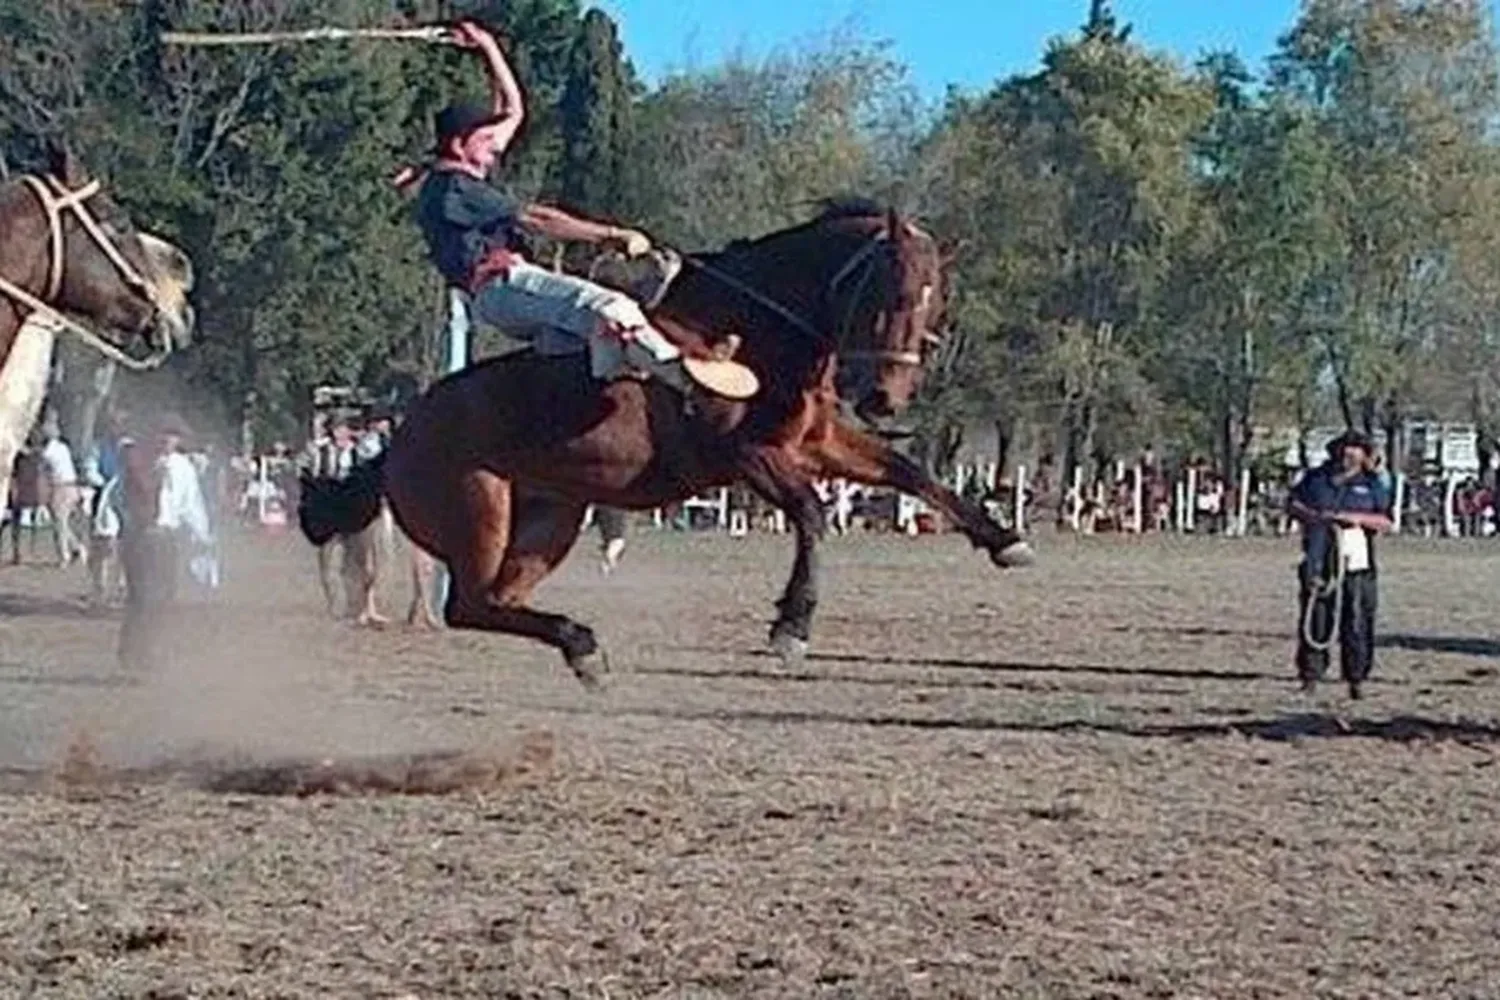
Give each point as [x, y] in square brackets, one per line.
[431, 33]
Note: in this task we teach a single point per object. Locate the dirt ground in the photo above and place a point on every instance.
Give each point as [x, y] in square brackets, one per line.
[1093, 778]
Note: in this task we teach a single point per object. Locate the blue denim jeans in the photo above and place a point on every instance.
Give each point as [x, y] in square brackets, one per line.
[563, 314]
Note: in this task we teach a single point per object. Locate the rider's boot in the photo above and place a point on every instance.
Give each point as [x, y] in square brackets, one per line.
[656, 356]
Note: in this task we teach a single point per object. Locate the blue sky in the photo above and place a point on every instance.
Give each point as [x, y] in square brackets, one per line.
[971, 43]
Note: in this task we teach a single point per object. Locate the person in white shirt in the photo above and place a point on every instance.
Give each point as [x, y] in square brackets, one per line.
[156, 544]
[181, 510]
[61, 475]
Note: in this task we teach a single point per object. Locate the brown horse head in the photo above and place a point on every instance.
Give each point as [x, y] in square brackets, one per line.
[68, 244]
[859, 284]
[883, 353]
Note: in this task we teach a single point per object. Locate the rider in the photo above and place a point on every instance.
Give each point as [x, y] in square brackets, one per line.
[471, 230]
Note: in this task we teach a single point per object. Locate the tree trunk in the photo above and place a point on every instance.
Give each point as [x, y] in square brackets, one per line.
[1227, 458]
[1367, 410]
[1390, 422]
[247, 423]
[1302, 427]
[952, 443]
[91, 405]
[1073, 444]
[1005, 440]
[1341, 386]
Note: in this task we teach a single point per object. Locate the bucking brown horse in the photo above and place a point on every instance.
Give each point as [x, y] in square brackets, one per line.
[494, 465]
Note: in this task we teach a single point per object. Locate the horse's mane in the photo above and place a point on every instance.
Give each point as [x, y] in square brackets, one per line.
[835, 208]
[849, 206]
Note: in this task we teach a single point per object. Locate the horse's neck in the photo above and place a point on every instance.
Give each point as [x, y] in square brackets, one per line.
[24, 252]
[24, 366]
[788, 270]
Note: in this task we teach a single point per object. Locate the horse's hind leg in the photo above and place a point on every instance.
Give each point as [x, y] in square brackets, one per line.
[492, 573]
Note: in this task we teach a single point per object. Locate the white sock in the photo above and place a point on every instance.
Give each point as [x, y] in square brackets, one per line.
[659, 347]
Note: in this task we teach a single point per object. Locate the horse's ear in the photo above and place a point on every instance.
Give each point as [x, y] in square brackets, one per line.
[893, 225]
[63, 165]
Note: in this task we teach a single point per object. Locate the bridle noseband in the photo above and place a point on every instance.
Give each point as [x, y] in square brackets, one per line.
[863, 264]
[56, 200]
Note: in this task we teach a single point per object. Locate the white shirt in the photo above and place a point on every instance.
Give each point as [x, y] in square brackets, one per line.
[57, 459]
[370, 445]
[180, 504]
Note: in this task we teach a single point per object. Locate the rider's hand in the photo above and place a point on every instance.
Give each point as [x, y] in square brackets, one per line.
[634, 242]
[469, 35]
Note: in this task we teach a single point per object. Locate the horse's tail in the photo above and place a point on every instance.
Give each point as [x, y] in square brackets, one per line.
[328, 508]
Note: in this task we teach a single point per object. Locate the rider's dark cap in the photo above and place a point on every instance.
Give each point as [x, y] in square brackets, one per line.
[457, 120]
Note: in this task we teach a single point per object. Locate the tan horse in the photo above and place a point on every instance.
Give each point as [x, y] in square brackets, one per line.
[66, 251]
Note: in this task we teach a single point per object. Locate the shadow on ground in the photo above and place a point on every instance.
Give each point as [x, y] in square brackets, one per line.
[29, 606]
[1280, 729]
[1002, 666]
[1462, 645]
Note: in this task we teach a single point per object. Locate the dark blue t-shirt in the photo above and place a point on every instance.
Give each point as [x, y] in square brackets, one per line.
[464, 220]
[1364, 493]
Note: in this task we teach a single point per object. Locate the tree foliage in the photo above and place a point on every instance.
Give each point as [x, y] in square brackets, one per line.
[1153, 253]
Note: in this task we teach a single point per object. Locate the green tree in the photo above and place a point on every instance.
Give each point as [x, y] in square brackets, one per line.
[1405, 95]
[596, 119]
[1071, 185]
[749, 147]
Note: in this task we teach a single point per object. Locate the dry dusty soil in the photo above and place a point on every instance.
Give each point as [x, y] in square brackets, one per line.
[1093, 778]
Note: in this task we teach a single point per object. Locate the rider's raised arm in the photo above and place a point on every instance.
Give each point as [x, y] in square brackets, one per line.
[510, 105]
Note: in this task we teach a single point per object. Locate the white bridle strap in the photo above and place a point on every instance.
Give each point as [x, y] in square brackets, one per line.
[55, 199]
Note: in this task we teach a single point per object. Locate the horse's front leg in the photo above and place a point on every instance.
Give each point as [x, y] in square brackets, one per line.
[777, 479]
[851, 454]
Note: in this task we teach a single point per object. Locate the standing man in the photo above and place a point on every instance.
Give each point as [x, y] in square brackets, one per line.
[611, 523]
[164, 523]
[25, 497]
[1342, 505]
[381, 536]
[62, 481]
[331, 459]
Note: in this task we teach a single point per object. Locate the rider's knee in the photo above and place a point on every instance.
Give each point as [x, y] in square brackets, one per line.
[621, 312]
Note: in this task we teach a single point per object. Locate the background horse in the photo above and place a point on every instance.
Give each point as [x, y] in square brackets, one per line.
[65, 248]
[494, 466]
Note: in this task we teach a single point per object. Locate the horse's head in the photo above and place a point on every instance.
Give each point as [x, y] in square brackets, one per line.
[886, 307]
[102, 268]
[858, 283]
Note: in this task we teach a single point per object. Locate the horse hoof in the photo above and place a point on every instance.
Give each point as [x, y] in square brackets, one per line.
[590, 669]
[1015, 554]
[791, 650]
